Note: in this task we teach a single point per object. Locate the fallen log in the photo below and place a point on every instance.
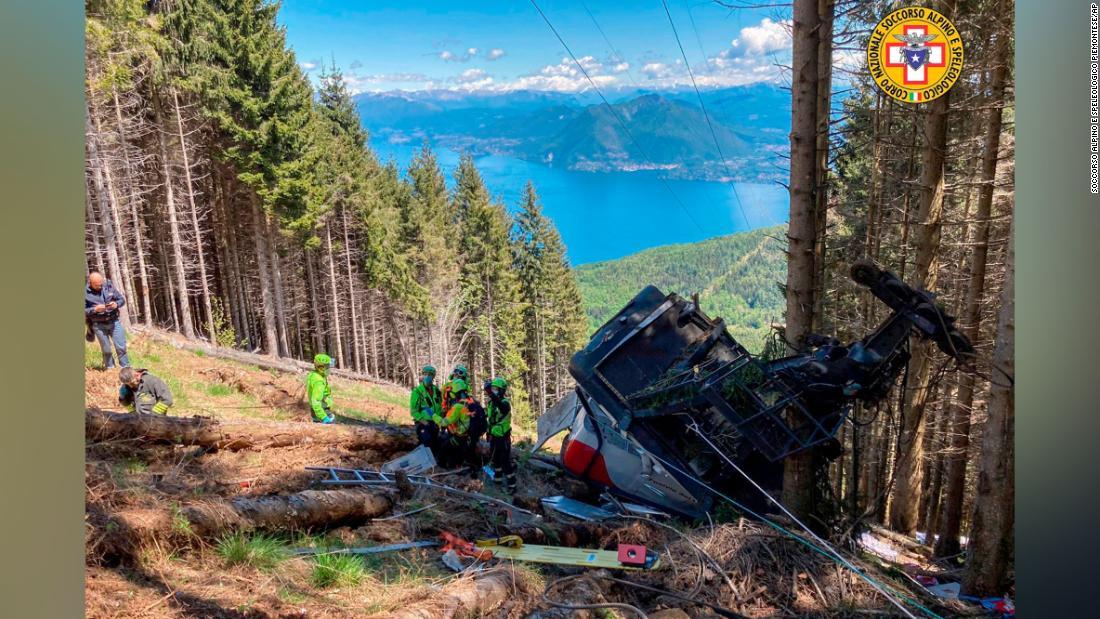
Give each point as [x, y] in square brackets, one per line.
[235, 435]
[465, 597]
[126, 531]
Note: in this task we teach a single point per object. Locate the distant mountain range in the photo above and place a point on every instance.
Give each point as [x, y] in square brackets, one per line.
[666, 131]
[737, 277]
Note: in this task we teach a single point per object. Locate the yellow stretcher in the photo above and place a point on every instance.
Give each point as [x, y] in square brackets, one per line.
[626, 557]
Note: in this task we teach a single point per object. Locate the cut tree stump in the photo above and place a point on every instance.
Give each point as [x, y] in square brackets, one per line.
[236, 435]
[465, 597]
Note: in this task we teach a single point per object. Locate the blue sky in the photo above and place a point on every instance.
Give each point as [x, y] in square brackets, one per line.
[503, 45]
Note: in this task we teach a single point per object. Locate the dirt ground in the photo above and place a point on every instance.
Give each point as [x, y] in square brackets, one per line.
[740, 565]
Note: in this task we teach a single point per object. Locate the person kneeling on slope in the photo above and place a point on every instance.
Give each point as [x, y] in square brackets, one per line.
[141, 392]
[318, 391]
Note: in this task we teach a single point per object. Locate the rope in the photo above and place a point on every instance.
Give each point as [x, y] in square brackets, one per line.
[832, 554]
[618, 118]
[706, 115]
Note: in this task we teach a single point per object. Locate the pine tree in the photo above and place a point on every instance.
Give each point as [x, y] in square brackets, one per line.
[554, 323]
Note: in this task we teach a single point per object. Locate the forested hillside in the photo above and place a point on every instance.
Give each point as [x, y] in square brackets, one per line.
[230, 201]
[737, 277]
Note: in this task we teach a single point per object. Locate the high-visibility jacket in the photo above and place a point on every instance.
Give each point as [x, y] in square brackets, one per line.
[425, 402]
[457, 420]
[499, 412]
[319, 394]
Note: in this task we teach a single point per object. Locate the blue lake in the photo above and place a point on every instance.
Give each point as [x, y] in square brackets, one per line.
[602, 216]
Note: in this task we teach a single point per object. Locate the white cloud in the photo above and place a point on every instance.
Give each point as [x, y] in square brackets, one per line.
[446, 55]
[656, 70]
[494, 54]
[471, 52]
[307, 66]
[768, 36]
[620, 67]
[465, 56]
[358, 83]
[471, 75]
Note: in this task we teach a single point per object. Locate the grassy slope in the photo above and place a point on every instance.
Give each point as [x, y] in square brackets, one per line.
[222, 388]
[737, 277]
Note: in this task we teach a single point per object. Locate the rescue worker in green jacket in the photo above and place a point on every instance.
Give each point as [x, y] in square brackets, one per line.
[318, 391]
[141, 392]
[457, 443]
[425, 406]
[499, 412]
[460, 372]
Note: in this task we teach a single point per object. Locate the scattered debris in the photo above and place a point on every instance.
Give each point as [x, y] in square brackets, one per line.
[366, 477]
[416, 462]
[947, 591]
[577, 509]
[625, 557]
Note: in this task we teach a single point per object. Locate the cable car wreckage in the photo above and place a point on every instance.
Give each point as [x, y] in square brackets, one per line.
[666, 400]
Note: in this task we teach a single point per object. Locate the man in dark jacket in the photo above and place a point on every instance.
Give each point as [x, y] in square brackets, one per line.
[101, 305]
[141, 392]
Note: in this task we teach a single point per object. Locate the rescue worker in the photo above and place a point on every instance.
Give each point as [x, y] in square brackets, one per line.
[456, 440]
[499, 412]
[101, 316]
[426, 406]
[318, 391]
[141, 392]
[460, 372]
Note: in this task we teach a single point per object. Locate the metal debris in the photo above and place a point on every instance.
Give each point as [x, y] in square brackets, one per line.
[416, 462]
[576, 509]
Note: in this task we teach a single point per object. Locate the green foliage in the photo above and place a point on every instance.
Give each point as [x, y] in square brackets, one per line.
[337, 570]
[553, 317]
[224, 335]
[260, 551]
[218, 389]
[735, 277]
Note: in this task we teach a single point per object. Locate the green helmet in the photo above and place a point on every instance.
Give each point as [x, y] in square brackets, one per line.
[458, 386]
[321, 359]
[500, 383]
[460, 371]
[427, 369]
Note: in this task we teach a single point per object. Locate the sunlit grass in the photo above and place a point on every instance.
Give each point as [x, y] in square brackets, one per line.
[259, 551]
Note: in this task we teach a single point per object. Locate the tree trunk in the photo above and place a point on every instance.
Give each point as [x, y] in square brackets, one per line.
[335, 304]
[314, 305]
[798, 469]
[173, 226]
[277, 286]
[126, 531]
[259, 231]
[137, 305]
[467, 597]
[905, 502]
[107, 212]
[357, 361]
[991, 533]
[970, 321]
[235, 435]
[204, 287]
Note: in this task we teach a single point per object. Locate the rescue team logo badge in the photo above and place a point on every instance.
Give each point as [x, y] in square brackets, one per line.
[915, 54]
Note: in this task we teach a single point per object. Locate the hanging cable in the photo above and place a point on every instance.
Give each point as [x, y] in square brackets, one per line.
[706, 115]
[831, 553]
[615, 114]
[619, 57]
